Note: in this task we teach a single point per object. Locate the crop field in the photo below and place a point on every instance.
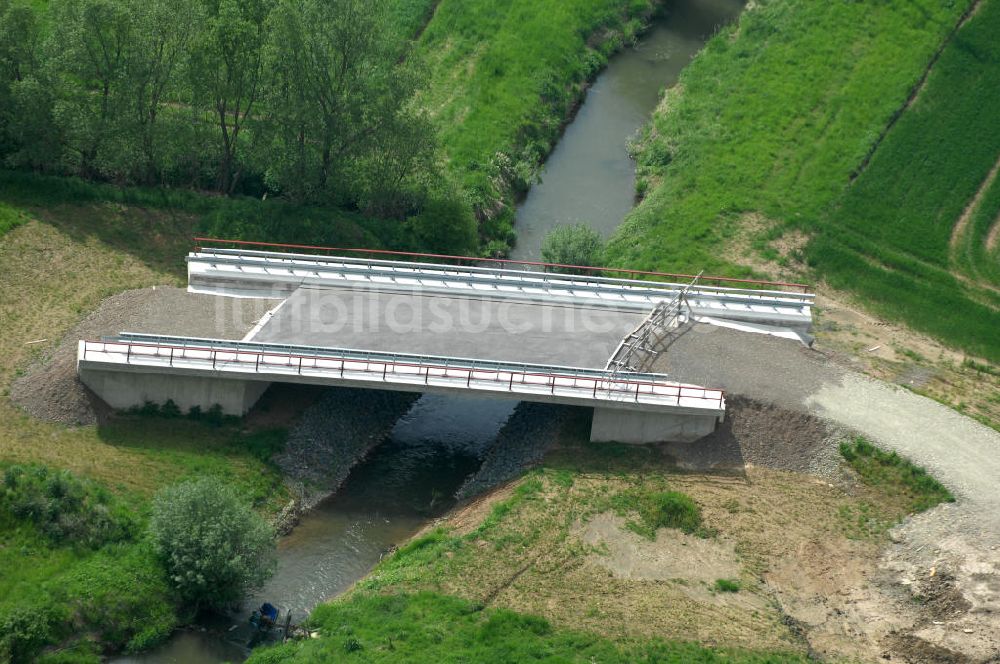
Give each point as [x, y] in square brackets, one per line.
[912, 233]
[774, 117]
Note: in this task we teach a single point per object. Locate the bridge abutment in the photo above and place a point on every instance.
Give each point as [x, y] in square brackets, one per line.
[638, 427]
[123, 389]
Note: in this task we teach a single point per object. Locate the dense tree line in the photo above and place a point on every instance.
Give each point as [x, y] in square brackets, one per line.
[308, 98]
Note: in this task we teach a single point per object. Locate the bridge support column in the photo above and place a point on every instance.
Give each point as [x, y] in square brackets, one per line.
[125, 389]
[633, 426]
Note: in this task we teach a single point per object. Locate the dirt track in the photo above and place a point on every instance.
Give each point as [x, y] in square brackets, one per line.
[959, 541]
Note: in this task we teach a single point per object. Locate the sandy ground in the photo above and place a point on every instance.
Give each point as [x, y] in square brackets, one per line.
[959, 543]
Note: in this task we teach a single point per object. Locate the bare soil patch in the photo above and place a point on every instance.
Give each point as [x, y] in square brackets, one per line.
[886, 350]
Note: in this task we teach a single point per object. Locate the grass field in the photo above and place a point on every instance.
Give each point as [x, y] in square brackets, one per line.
[504, 76]
[432, 628]
[768, 124]
[87, 596]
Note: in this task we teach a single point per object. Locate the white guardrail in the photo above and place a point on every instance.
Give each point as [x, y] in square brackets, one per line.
[230, 271]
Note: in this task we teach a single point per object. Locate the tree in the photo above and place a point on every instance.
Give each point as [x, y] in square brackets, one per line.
[27, 137]
[163, 31]
[573, 245]
[87, 51]
[340, 127]
[228, 73]
[213, 546]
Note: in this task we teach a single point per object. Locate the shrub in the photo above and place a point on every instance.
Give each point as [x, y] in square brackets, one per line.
[573, 245]
[445, 226]
[213, 546]
[65, 508]
[727, 586]
[25, 630]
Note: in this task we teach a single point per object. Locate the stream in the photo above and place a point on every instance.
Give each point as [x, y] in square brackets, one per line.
[589, 178]
[411, 477]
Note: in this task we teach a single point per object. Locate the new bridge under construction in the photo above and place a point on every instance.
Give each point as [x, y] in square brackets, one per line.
[400, 322]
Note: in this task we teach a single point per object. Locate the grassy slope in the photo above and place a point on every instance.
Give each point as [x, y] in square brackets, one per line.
[55, 272]
[889, 236]
[503, 76]
[526, 554]
[114, 597]
[775, 115]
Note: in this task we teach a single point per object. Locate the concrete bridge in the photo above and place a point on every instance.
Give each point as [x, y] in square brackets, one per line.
[433, 327]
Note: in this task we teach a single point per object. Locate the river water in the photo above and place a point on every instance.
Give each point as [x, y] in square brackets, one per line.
[410, 478]
[589, 178]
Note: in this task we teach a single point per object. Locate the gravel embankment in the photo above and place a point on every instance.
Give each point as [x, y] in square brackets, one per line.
[50, 390]
[522, 441]
[334, 434]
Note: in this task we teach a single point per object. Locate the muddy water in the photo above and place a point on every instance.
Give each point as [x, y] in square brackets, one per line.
[589, 177]
[387, 498]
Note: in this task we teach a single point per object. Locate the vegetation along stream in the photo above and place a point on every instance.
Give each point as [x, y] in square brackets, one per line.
[588, 179]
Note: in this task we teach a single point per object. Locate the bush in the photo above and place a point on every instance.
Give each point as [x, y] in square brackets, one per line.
[445, 226]
[727, 586]
[65, 508]
[213, 546]
[573, 245]
[24, 631]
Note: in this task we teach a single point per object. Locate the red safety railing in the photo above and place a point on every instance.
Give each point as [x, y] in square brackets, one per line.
[417, 257]
[615, 384]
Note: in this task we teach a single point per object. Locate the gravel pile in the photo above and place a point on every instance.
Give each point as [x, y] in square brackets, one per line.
[50, 390]
[522, 441]
[766, 435]
[334, 434]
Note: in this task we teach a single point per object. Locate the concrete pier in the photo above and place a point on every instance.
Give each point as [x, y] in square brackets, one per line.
[638, 427]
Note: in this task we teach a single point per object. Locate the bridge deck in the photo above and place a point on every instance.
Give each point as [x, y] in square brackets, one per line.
[450, 325]
[331, 366]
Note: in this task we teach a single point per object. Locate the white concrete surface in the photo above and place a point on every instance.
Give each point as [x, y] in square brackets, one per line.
[125, 389]
[620, 426]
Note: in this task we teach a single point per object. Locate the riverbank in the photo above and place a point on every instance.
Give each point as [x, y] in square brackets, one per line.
[505, 80]
[570, 543]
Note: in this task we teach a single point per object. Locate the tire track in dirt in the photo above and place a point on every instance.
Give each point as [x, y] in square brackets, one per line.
[993, 236]
[962, 225]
